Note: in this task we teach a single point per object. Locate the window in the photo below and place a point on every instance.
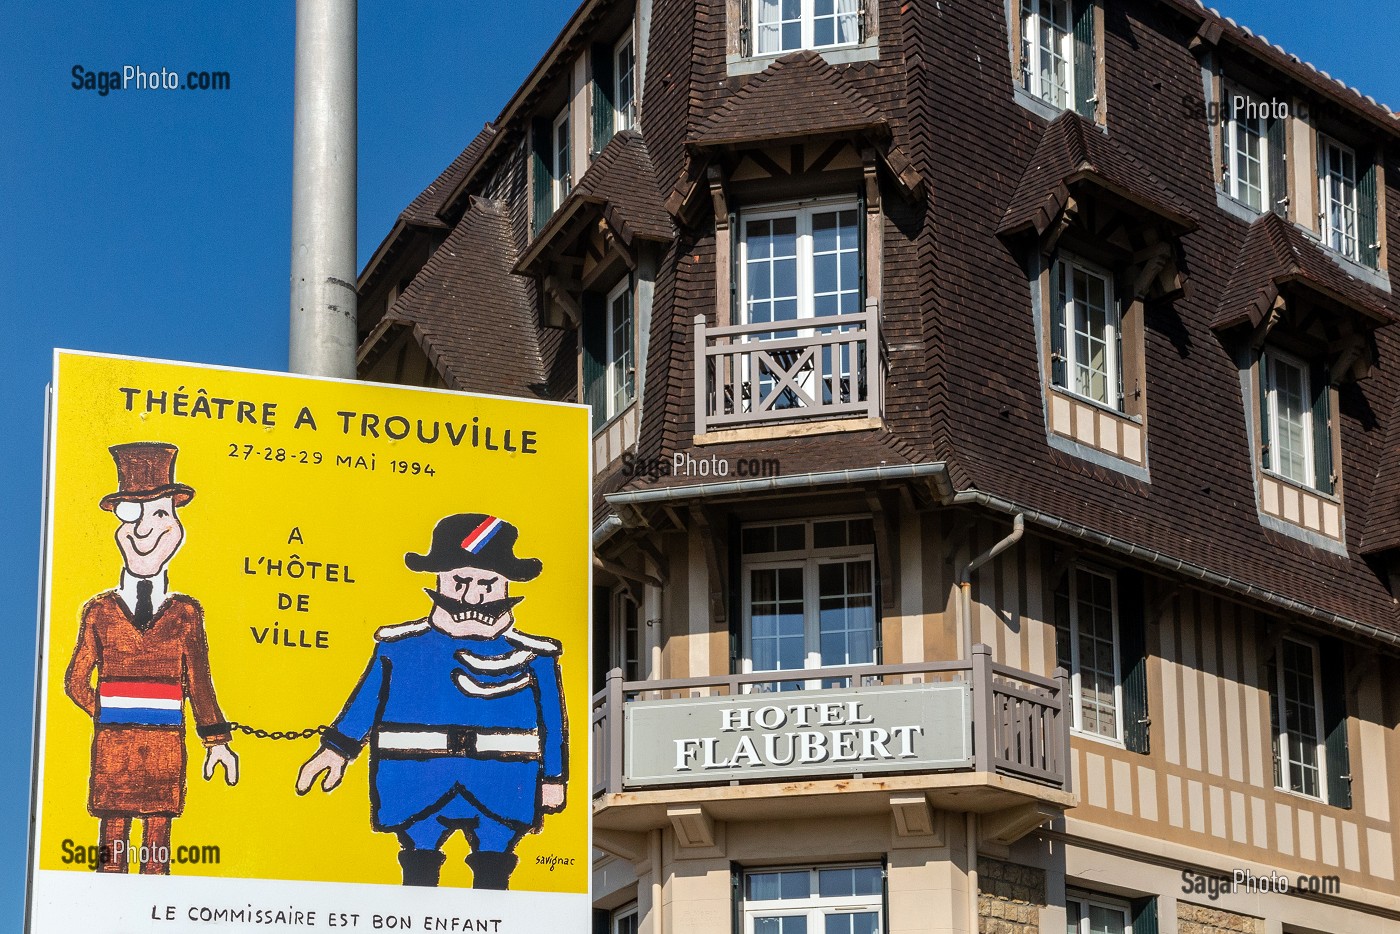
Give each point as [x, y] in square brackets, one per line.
[800, 262]
[1086, 352]
[1246, 151]
[1047, 50]
[1288, 401]
[624, 83]
[627, 637]
[809, 597]
[834, 900]
[620, 369]
[1086, 643]
[1093, 915]
[624, 920]
[1296, 682]
[559, 158]
[785, 25]
[1336, 166]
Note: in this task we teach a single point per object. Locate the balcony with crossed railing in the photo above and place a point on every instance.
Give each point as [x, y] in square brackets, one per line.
[797, 370]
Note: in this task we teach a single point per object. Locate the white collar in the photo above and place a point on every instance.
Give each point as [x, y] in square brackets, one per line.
[160, 589]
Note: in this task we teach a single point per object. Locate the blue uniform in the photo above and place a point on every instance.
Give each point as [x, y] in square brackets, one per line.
[462, 734]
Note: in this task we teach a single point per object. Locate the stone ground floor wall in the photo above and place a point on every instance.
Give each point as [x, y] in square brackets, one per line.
[1009, 897]
[1200, 919]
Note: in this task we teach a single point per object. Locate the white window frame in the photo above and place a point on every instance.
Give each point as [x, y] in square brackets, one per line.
[810, 559]
[808, 18]
[1095, 901]
[620, 600]
[803, 211]
[625, 115]
[1280, 700]
[1268, 360]
[1326, 172]
[1032, 53]
[620, 915]
[1076, 689]
[561, 158]
[814, 907]
[615, 376]
[1113, 331]
[1260, 126]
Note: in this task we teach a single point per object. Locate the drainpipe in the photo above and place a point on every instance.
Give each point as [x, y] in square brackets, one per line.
[657, 924]
[972, 883]
[1018, 528]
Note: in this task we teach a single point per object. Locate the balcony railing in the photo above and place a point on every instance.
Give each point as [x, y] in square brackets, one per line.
[1005, 721]
[808, 368]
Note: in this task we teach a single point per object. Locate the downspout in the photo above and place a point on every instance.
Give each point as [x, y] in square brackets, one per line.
[657, 925]
[1018, 528]
[972, 881]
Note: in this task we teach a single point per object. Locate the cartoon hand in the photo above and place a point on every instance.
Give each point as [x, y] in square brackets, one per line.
[328, 761]
[221, 755]
[552, 796]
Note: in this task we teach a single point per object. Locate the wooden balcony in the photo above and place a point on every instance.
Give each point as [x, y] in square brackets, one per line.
[963, 735]
[801, 370]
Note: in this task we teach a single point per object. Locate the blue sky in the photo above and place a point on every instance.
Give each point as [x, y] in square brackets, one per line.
[157, 224]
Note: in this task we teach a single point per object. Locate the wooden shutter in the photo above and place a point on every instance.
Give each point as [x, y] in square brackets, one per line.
[1277, 133]
[734, 272]
[1057, 324]
[736, 899]
[595, 341]
[541, 178]
[1144, 915]
[1332, 664]
[604, 104]
[1132, 663]
[1367, 220]
[1084, 70]
[1262, 369]
[1322, 428]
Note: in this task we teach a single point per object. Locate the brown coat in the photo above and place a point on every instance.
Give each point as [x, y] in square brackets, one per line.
[139, 768]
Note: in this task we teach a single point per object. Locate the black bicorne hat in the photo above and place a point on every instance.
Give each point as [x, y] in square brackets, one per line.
[475, 540]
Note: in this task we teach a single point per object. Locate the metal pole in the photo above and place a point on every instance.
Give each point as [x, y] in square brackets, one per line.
[323, 306]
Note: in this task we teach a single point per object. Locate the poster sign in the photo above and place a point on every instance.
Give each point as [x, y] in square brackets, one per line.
[312, 650]
[890, 728]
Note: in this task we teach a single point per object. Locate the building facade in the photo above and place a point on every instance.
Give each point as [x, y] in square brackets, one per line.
[997, 496]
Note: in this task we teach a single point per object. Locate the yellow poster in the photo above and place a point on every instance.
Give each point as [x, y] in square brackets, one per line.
[315, 655]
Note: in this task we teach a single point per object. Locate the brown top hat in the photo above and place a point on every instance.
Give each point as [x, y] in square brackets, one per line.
[146, 471]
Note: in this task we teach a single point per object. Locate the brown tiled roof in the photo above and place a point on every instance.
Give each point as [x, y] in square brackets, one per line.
[1073, 151]
[1278, 254]
[471, 315]
[798, 96]
[425, 209]
[1382, 532]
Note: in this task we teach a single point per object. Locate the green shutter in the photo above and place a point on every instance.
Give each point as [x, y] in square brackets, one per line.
[1278, 166]
[1368, 221]
[734, 271]
[1262, 369]
[1271, 675]
[541, 181]
[1084, 91]
[1332, 663]
[1057, 325]
[1144, 911]
[1132, 654]
[736, 899]
[885, 894]
[595, 339]
[1322, 428]
[602, 921]
[604, 106]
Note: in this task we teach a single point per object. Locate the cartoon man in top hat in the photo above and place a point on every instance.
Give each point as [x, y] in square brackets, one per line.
[147, 646]
[463, 713]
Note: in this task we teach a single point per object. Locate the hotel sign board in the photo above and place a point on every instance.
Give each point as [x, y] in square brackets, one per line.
[806, 734]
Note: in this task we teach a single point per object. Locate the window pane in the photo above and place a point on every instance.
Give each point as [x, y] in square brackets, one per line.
[835, 261]
[788, 924]
[1300, 718]
[1072, 918]
[771, 269]
[1104, 920]
[757, 540]
[848, 922]
[791, 537]
[1291, 414]
[1092, 614]
[772, 886]
[1092, 348]
[847, 617]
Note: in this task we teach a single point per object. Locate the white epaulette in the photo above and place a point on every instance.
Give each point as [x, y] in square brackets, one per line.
[540, 644]
[401, 630]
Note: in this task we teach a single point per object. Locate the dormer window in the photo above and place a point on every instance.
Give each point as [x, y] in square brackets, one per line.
[1055, 53]
[1336, 167]
[1247, 152]
[1086, 350]
[786, 25]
